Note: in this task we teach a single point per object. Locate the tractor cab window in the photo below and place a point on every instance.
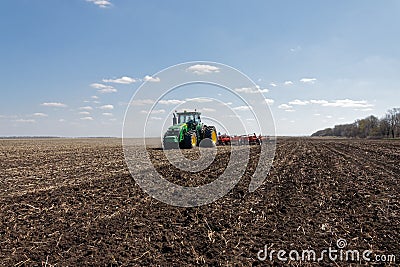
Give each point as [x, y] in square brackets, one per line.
[186, 118]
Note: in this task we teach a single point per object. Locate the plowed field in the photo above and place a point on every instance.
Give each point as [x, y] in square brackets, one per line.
[72, 202]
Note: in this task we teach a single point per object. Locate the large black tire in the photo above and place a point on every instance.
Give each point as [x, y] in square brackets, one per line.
[168, 146]
[211, 134]
[189, 140]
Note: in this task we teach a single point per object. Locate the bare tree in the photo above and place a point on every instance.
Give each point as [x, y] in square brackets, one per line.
[384, 128]
[397, 122]
[393, 119]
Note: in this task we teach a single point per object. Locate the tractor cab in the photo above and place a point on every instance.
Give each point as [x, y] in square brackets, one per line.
[190, 118]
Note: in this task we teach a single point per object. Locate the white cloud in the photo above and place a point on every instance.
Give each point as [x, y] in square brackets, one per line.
[148, 78]
[143, 102]
[99, 86]
[262, 90]
[154, 111]
[107, 90]
[8, 116]
[269, 101]
[344, 103]
[273, 84]
[107, 114]
[321, 102]
[39, 114]
[295, 49]
[157, 111]
[200, 69]
[86, 108]
[54, 104]
[329, 117]
[100, 3]
[87, 119]
[103, 89]
[94, 97]
[288, 83]
[242, 108]
[207, 110]
[171, 102]
[284, 106]
[348, 103]
[290, 110]
[107, 107]
[249, 90]
[26, 120]
[317, 114]
[122, 80]
[308, 80]
[84, 113]
[61, 120]
[298, 102]
[199, 100]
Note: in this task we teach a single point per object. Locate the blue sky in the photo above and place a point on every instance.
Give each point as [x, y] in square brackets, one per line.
[323, 62]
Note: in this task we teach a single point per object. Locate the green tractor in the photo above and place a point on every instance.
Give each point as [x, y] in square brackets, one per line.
[188, 131]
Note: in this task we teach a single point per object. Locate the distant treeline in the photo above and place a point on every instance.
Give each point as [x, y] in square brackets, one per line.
[28, 137]
[370, 127]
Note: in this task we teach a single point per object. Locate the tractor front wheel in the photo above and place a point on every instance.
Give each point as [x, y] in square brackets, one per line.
[189, 140]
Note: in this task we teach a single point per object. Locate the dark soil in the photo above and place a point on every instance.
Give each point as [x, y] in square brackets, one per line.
[74, 203]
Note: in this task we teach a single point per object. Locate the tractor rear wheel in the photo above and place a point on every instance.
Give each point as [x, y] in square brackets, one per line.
[189, 140]
[210, 133]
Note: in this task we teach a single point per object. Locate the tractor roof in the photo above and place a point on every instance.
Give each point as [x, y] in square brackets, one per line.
[189, 112]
